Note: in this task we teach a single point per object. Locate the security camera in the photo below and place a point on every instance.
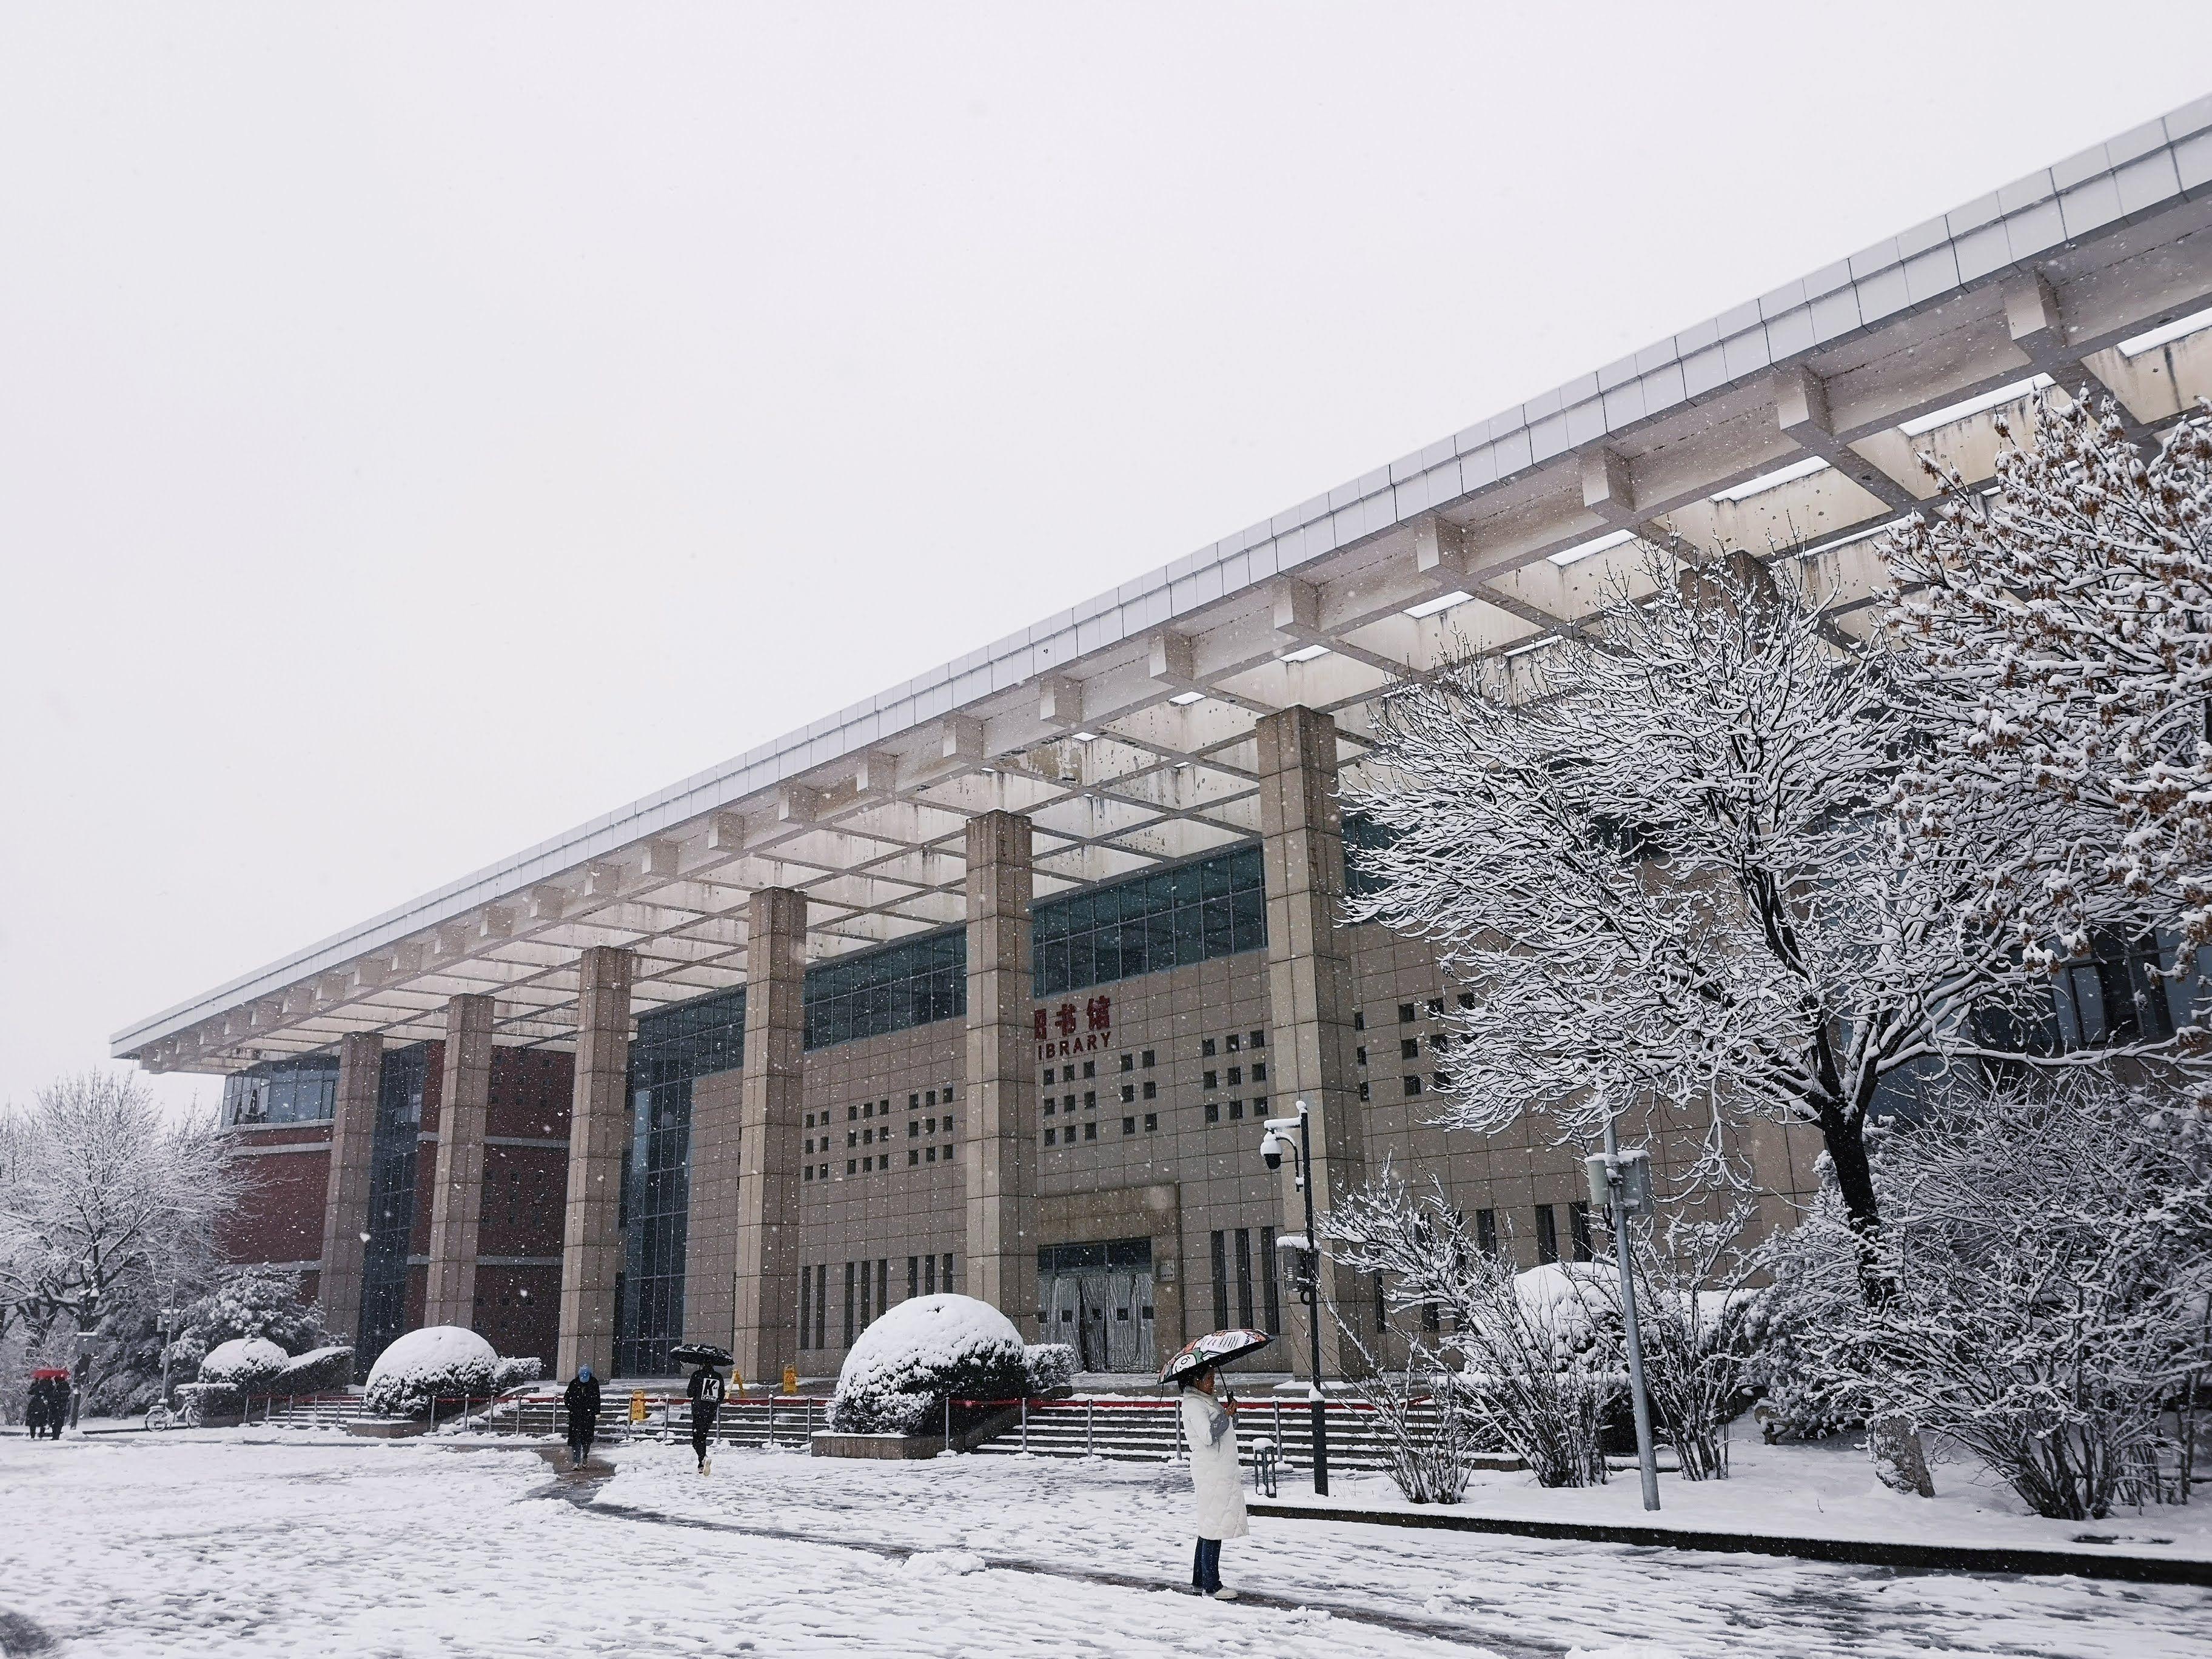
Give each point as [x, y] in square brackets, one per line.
[1272, 1149]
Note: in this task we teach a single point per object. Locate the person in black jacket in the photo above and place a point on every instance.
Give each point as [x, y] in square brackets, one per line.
[707, 1391]
[582, 1400]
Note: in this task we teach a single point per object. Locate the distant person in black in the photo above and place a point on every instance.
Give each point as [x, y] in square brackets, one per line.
[582, 1400]
[707, 1390]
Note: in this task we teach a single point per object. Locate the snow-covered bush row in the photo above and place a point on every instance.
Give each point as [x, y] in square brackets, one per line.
[209, 1403]
[318, 1370]
[1051, 1367]
[923, 1352]
[250, 1364]
[437, 1362]
[514, 1373]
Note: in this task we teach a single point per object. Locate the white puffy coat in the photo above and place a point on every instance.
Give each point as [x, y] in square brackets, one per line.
[1209, 1430]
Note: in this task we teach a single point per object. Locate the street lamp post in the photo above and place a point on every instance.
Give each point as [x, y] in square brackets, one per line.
[1621, 1183]
[1272, 1147]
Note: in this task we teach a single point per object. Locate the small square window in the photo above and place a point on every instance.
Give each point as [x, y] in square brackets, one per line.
[1436, 1006]
[1151, 1089]
[1128, 1092]
[948, 1125]
[1212, 1081]
[1363, 1090]
[867, 1108]
[1231, 1042]
[1467, 998]
[1236, 1110]
[1213, 1111]
[1206, 1049]
[1050, 1135]
[825, 1172]
[1129, 1062]
[1408, 1048]
[852, 1115]
[1259, 1106]
[1361, 1053]
[852, 1137]
[1047, 1074]
[913, 1129]
[1236, 1076]
[913, 1101]
[913, 1157]
[930, 1128]
[1148, 1056]
[1259, 1039]
[1091, 1100]
[1049, 1106]
[1128, 1125]
[1358, 1020]
[1439, 1080]
[932, 1158]
[810, 1119]
[1414, 1084]
[1259, 1071]
[1067, 1103]
[810, 1172]
[1090, 1068]
[1405, 1014]
[944, 1093]
[1090, 1130]
[1151, 1122]
[930, 1099]
[852, 1166]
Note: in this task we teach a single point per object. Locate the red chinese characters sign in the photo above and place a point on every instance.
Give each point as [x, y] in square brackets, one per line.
[1069, 1030]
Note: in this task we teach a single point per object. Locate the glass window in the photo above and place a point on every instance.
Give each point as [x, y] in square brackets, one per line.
[892, 988]
[1192, 912]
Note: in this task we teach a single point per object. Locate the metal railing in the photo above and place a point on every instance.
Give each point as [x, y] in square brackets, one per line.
[1150, 1431]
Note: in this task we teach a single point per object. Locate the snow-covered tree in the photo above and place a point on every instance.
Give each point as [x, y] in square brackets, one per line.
[2060, 627]
[101, 1196]
[1669, 878]
[2051, 1247]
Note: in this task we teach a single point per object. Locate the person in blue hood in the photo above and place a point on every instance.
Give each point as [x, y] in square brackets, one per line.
[582, 1401]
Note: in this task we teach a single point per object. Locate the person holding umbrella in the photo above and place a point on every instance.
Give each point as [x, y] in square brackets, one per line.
[707, 1391]
[1209, 1428]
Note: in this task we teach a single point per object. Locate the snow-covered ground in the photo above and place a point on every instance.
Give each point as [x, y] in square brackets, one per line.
[252, 1543]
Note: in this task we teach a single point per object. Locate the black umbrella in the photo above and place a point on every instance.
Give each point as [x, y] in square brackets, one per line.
[700, 1354]
[1214, 1348]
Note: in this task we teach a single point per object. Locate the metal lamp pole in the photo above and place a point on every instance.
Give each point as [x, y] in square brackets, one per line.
[1313, 1306]
[1623, 1205]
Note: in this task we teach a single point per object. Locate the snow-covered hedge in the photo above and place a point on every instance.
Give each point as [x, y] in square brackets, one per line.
[437, 1362]
[217, 1403]
[319, 1370]
[1052, 1366]
[514, 1373]
[922, 1353]
[250, 1363]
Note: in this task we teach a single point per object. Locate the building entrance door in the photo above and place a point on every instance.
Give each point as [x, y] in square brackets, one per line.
[1097, 1298]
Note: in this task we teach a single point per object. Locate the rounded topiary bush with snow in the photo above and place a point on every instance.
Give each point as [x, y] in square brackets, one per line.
[437, 1362]
[922, 1353]
[250, 1364]
[319, 1370]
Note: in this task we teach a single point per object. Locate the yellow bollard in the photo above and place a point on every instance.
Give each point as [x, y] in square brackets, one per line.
[791, 1379]
[637, 1406]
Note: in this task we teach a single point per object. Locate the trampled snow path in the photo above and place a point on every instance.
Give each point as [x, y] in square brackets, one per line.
[301, 1544]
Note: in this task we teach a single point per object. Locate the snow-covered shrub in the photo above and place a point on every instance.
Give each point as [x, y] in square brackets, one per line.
[1430, 1453]
[248, 1301]
[1793, 1326]
[437, 1362]
[1694, 1313]
[1051, 1367]
[1534, 1376]
[2051, 1250]
[199, 1404]
[250, 1364]
[514, 1373]
[318, 1370]
[922, 1353]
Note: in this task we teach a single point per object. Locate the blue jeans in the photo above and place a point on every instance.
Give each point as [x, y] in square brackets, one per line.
[1206, 1567]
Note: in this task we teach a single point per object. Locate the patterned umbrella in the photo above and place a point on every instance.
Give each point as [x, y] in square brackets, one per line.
[702, 1353]
[1214, 1348]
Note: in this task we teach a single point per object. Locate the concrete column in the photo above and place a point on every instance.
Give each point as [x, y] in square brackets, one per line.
[345, 1202]
[457, 1196]
[1000, 1149]
[598, 1122]
[762, 1298]
[1312, 1049]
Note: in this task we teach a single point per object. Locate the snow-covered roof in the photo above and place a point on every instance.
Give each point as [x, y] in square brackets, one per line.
[1122, 727]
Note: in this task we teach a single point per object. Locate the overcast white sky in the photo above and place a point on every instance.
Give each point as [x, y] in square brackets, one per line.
[425, 428]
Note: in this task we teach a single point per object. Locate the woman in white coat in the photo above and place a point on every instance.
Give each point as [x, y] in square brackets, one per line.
[1209, 1429]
